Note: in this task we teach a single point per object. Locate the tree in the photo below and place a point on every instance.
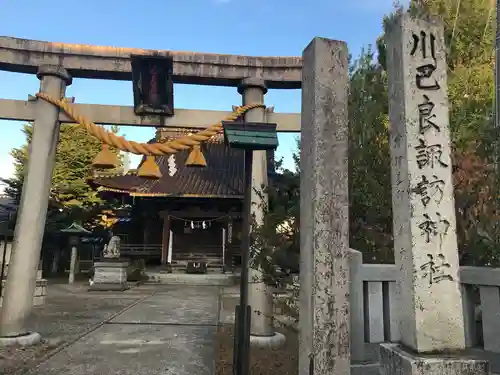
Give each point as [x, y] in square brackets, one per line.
[71, 198]
[477, 210]
[277, 241]
[469, 33]
[470, 81]
[476, 182]
[278, 237]
[370, 216]
[369, 177]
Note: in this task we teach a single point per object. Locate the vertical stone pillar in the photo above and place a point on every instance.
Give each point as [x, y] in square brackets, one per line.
[30, 225]
[165, 238]
[259, 294]
[55, 262]
[425, 241]
[72, 265]
[324, 211]
[223, 245]
[170, 246]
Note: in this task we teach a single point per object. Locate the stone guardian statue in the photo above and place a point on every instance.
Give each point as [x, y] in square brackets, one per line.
[112, 249]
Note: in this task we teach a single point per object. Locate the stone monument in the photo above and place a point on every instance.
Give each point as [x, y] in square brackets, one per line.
[324, 211]
[110, 273]
[425, 241]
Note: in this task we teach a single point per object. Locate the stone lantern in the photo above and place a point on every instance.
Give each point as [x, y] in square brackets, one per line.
[75, 232]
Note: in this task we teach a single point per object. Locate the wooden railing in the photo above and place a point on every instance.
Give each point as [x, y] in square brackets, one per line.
[181, 253]
[374, 308]
[138, 250]
[154, 250]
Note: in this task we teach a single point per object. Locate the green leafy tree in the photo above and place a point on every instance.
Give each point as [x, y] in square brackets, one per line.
[369, 160]
[470, 28]
[369, 176]
[278, 239]
[71, 198]
[469, 34]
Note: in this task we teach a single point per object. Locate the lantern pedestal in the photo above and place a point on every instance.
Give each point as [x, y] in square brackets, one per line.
[110, 275]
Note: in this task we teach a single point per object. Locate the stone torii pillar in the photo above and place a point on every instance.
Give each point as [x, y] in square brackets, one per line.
[30, 226]
[260, 296]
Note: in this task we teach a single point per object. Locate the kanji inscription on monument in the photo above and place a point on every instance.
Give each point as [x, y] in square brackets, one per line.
[435, 269]
[429, 189]
[425, 240]
[426, 116]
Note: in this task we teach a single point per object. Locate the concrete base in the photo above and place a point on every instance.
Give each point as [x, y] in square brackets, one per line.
[275, 341]
[31, 338]
[395, 360]
[110, 275]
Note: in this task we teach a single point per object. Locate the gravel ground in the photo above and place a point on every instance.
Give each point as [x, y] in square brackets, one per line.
[284, 361]
[281, 361]
[69, 312]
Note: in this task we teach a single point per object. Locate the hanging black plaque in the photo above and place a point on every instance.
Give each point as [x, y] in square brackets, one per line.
[153, 85]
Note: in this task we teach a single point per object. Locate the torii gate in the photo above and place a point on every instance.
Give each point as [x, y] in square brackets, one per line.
[322, 73]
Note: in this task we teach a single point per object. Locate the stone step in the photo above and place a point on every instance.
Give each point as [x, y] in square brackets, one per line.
[191, 279]
[209, 265]
[208, 260]
[182, 270]
[195, 255]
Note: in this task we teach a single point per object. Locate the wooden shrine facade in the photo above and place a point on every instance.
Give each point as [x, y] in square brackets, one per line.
[175, 230]
[189, 213]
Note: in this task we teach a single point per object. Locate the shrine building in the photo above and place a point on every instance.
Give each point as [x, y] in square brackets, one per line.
[190, 213]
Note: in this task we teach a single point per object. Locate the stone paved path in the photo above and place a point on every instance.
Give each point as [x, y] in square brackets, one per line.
[169, 332]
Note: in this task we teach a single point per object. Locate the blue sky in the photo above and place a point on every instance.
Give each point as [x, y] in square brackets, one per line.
[258, 27]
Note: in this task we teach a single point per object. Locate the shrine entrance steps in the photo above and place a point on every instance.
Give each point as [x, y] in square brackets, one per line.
[178, 275]
[214, 262]
[182, 278]
[171, 331]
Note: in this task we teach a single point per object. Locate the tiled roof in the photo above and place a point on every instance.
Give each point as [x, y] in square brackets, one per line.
[222, 177]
